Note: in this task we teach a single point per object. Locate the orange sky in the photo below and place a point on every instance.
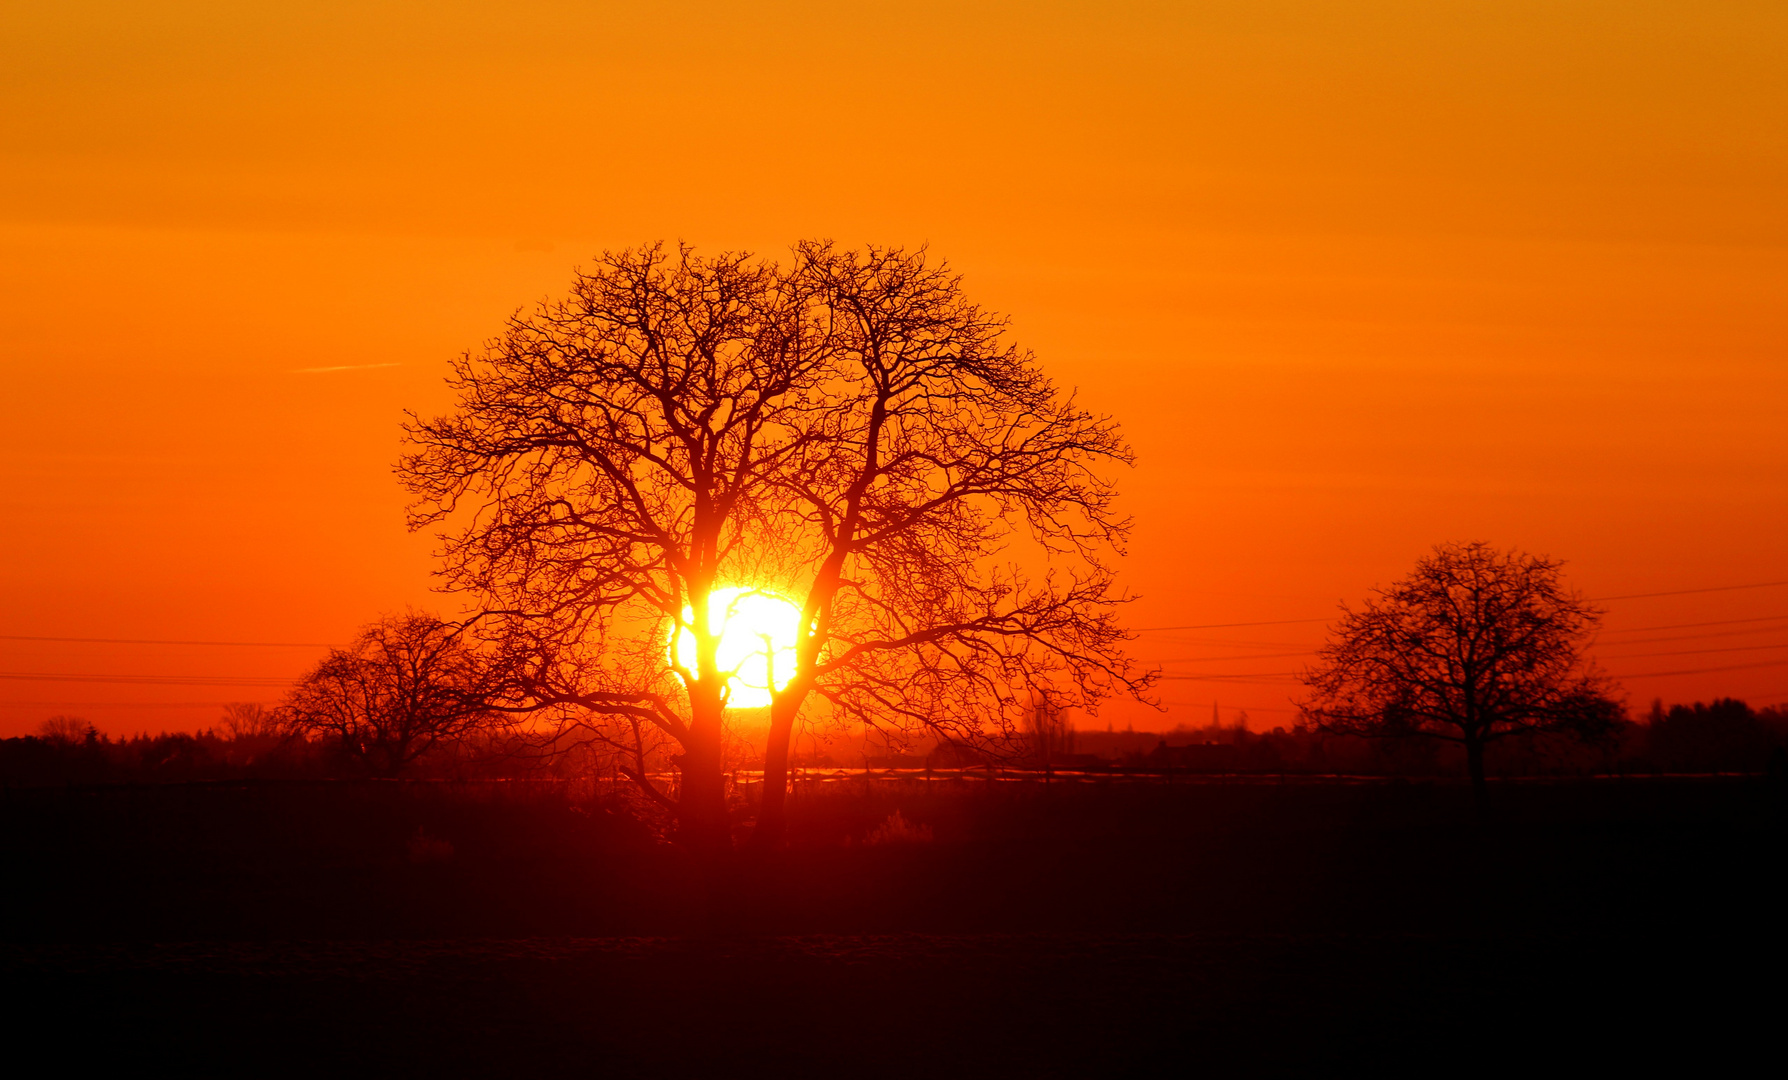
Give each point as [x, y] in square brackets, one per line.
[1357, 278]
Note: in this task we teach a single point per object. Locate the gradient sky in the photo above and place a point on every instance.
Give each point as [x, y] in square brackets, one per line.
[1356, 277]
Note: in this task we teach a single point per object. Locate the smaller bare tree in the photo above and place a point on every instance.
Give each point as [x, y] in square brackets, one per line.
[1048, 730]
[405, 685]
[249, 720]
[64, 730]
[1474, 646]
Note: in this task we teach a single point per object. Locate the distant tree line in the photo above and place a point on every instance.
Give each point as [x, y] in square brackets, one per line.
[220, 754]
[250, 742]
[1475, 663]
[1727, 736]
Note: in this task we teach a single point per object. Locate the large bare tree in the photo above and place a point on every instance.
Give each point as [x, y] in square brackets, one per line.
[847, 431]
[1474, 646]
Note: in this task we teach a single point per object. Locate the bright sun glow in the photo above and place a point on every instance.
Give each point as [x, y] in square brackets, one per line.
[757, 642]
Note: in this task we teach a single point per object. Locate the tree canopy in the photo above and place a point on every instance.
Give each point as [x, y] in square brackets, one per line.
[406, 684]
[1473, 646]
[846, 430]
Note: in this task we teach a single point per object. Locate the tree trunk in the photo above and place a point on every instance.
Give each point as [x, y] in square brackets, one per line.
[701, 804]
[1474, 762]
[772, 804]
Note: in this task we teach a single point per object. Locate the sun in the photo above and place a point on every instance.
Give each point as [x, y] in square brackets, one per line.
[759, 630]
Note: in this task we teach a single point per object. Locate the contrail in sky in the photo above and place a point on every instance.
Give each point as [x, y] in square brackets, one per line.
[344, 367]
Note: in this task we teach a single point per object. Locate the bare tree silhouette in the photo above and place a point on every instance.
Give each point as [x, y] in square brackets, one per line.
[64, 730]
[406, 684]
[942, 444]
[1474, 646]
[848, 431]
[1049, 732]
[249, 720]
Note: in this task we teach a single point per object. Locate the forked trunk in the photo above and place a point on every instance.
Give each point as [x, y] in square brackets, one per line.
[701, 804]
[772, 806]
[701, 810]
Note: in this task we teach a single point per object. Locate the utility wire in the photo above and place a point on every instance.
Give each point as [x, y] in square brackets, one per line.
[1226, 659]
[1223, 625]
[1219, 643]
[148, 680]
[1686, 592]
[125, 704]
[1705, 635]
[1138, 629]
[1231, 708]
[1623, 596]
[1695, 652]
[1704, 671]
[1689, 625]
[1265, 678]
[164, 641]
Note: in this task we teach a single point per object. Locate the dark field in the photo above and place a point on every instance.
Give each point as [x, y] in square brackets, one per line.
[517, 929]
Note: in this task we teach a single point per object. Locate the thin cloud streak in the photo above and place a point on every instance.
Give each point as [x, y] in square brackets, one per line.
[343, 367]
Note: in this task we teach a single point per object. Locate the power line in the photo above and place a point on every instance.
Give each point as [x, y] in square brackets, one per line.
[1220, 643]
[165, 641]
[1262, 678]
[1231, 708]
[1137, 629]
[125, 704]
[1752, 629]
[1689, 625]
[1705, 670]
[1623, 596]
[1223, 625]
[1686, 592]
[148, 680]
[1705, 635]
[1257, 656]
[1696, 652]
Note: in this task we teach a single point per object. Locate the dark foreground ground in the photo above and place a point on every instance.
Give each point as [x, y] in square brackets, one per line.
[521, 930]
